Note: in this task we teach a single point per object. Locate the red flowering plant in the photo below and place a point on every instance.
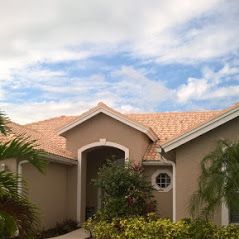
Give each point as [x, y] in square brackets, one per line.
[126, 192]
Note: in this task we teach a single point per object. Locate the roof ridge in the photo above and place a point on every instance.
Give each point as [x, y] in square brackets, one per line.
[174, 112]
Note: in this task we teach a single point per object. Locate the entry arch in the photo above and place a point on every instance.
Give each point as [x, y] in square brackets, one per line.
[100, 143]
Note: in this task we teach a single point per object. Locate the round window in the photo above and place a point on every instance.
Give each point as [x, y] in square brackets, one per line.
[163, 180]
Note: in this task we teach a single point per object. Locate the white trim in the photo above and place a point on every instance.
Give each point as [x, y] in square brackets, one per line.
[101, 142]
[225, 215]
[167, 162]
[19, 173]
[61, 160]
[146, 130]
[156, 186]
[3, 167]
[222, 119]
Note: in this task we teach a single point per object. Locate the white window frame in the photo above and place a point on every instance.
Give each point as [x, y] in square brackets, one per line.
[154, 178]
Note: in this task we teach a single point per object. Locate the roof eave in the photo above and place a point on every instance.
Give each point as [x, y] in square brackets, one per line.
[60, 159]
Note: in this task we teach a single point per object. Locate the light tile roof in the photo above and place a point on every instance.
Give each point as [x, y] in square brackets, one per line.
[43, 141]
[170, 125]
[166, 125]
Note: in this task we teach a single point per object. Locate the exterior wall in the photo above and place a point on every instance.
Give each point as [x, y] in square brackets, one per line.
[50, 192]
[11, 164]
[164, 199]
[188, 158]
[72, 192]
[103, 126]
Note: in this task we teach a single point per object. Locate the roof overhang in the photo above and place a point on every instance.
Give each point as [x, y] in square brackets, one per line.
[202, 129]
[59, 159]
[101, 108]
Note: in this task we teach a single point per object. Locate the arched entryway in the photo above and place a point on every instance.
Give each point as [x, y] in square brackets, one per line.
[90, 158]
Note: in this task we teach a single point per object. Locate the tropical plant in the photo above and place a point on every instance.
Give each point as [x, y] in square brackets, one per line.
[17, 214]
[218, 182]
[125, 191]
[149, 227]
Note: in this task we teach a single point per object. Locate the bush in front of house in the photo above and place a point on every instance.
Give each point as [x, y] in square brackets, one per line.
[125, 191]
[152, 227]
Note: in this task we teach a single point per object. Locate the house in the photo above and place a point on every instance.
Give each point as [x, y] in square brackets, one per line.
[170, 147]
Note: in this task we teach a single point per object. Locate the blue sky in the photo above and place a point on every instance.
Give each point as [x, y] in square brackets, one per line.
[61, 57]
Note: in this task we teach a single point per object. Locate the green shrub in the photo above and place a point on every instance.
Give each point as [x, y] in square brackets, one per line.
[151, 227]
[125, 191]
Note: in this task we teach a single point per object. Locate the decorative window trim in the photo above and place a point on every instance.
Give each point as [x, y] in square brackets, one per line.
[154, 177]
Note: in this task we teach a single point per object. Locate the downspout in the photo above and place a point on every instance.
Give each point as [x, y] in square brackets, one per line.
[174, 190]
[167, 162]
[161, 150]
[19, 174]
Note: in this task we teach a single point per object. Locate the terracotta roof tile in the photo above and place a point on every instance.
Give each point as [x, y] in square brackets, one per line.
[165, 125]
[42, 137]
[170, 124]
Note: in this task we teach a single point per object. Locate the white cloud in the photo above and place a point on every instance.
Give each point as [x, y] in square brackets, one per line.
[131, 90]
[212, 85]
[194, 88]
[173, 31]
[62, 30]
[138, 90]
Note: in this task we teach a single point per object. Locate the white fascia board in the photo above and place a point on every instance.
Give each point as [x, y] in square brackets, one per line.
[156, 162]
[212, 124]
[61, 160]
[128, 122]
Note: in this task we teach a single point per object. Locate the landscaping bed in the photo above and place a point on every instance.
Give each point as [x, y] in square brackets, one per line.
[152, 227]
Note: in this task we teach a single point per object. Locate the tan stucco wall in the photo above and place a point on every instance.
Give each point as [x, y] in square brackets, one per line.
[188, 158]
[103, 126]
[50, 192]
[164, 199]
[72, 192]
[10, 164]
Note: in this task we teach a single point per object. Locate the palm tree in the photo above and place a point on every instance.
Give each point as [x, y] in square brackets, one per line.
[17, 213]
[218, 182]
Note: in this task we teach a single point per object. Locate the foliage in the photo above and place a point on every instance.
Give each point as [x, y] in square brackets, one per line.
[125, 191]
[3, 121]
[219, 180]
[15, 208]
[60, 229]
[17, 213]
[151, 227]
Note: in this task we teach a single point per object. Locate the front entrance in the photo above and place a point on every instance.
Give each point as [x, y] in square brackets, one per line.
[95, 158]
[89, 197]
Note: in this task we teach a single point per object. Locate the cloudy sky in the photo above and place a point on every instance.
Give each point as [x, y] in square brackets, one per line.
[63, 56]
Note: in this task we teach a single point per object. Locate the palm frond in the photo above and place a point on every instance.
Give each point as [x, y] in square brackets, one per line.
[219, 180]
[3, 121]
[22, 148]
[17, 206]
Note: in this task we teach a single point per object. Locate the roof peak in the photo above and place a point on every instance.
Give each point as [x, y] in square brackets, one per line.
[101, 103]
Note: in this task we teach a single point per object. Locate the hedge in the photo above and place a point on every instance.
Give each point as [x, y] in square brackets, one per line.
[151, 227]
